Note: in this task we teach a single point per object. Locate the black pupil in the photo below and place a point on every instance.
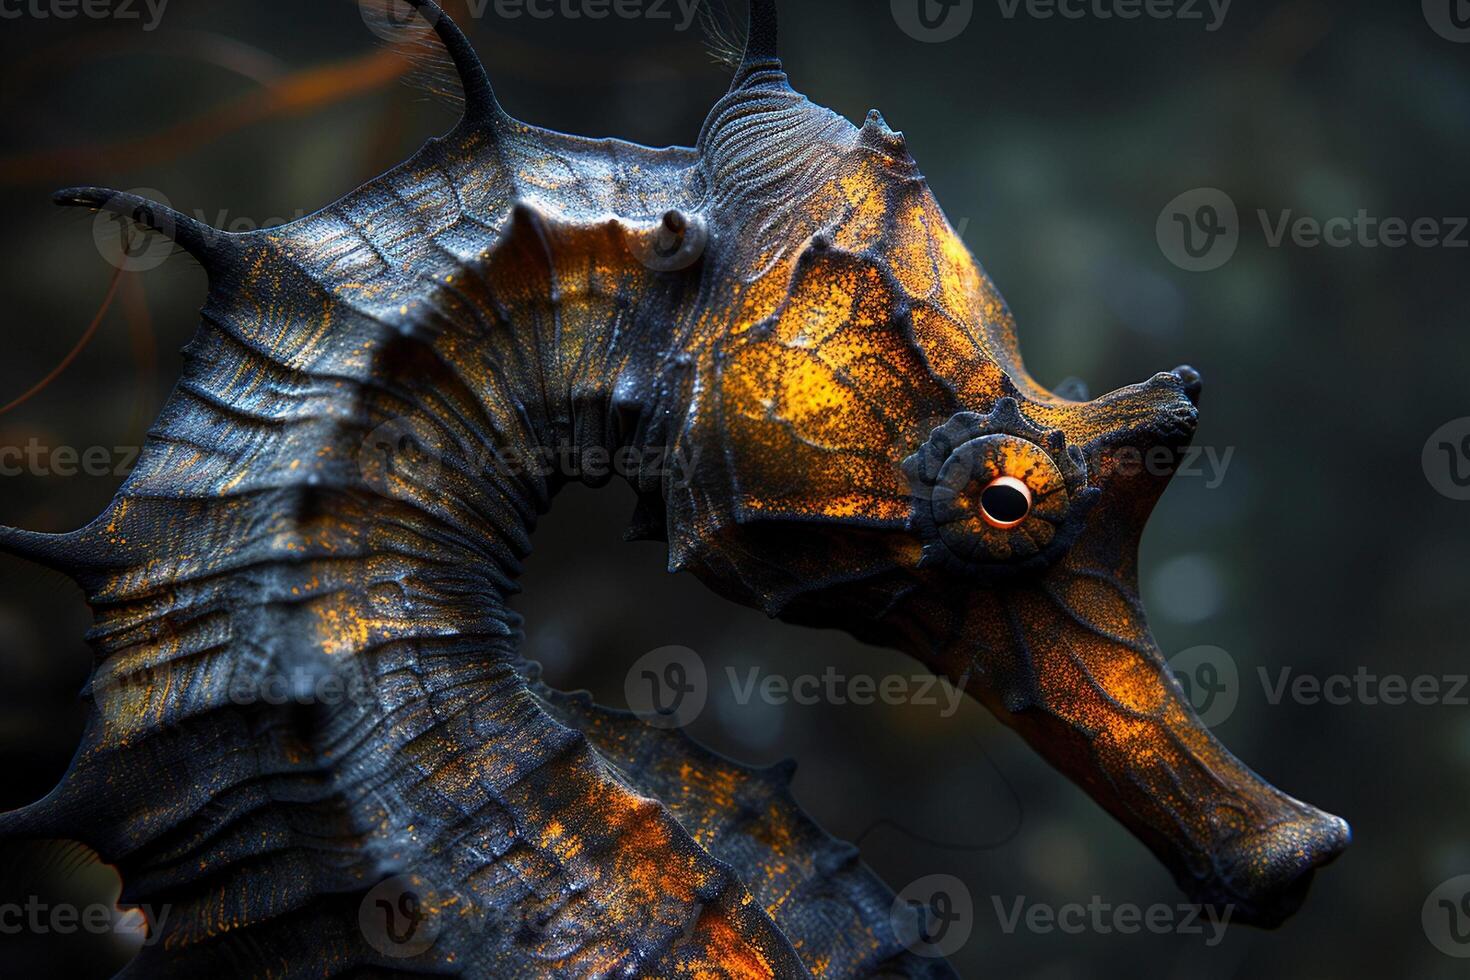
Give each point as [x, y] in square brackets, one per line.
[1004, 503]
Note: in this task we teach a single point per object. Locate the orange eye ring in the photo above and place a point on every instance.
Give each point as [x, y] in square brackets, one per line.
[1005, 502]
[994, 495]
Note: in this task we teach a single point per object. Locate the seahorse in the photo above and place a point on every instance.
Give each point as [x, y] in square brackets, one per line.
[322, 501]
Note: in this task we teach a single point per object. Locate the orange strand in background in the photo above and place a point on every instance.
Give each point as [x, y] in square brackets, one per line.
[81, 345]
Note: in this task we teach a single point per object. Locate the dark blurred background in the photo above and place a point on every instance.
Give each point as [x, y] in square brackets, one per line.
[1054, 145]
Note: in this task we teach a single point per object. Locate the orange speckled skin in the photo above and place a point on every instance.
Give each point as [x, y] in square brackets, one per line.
[785, 307]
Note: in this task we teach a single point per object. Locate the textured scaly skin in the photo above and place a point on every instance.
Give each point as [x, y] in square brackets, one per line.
[326, 495]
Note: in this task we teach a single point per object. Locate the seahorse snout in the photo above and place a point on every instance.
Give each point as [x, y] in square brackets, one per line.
[1069, 662]
[1193, 383]
[1263, 876]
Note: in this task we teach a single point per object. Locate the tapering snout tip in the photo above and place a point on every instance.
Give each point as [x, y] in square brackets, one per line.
[1263, 877]
[1193, 383]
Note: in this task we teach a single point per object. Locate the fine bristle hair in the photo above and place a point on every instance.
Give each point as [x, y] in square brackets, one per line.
[398, 25]
[724, 34]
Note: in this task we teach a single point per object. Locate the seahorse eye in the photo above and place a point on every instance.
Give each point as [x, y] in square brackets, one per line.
[996, 494]
[1005, 502]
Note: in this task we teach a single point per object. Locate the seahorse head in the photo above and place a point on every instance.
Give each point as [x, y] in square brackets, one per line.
[873, 456]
